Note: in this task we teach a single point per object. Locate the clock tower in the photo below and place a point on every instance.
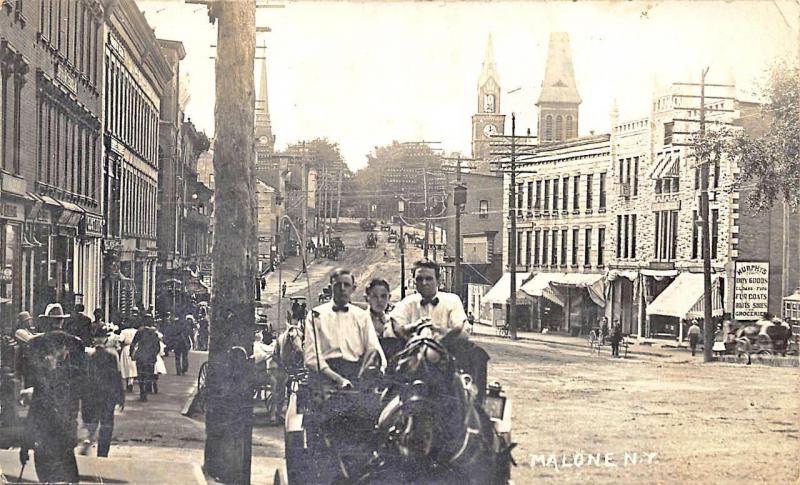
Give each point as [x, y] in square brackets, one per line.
[487, 121]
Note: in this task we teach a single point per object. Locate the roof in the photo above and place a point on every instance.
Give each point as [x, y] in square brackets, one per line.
[559, 85]
[488, 68]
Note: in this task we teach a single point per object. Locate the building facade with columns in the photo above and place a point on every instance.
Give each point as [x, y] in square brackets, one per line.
[136, 73]
[50, 153]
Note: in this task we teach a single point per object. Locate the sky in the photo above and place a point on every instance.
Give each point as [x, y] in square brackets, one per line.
[363, 74]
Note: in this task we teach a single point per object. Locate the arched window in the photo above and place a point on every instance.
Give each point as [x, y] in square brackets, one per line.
[559, 128]
[548, 128]
[570, 128]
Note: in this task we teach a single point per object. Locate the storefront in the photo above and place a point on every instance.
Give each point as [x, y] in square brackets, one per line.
[584, 297]
[682, 301]
[546, 305]
[624, 288]
[497, 299]
[12, 220]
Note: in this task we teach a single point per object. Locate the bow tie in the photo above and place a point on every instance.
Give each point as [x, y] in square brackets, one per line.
[343, 308]
[433, 301]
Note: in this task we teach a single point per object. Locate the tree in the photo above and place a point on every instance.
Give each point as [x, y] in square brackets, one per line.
[769, 159]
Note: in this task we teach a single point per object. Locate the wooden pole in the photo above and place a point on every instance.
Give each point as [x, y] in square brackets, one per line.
[708, 324]
[229, 410]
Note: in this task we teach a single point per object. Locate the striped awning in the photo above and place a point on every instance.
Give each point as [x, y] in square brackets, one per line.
[666, 166]
[683, 298]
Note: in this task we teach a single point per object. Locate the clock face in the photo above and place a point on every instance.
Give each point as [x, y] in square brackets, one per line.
[489, 130]
[263, 139]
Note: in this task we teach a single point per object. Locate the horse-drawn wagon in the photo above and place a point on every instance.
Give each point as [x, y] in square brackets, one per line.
[425, 420]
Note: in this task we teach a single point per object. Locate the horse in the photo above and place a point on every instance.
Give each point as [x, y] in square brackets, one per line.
[432, 428]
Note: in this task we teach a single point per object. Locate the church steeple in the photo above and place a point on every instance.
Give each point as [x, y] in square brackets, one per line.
[559, 100]
[488, 121]
[263, 125]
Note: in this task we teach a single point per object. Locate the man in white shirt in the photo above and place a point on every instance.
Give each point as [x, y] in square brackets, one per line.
[445, 310]
[339, 335]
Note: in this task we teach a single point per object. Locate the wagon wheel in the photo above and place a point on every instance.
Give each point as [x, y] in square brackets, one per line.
[202, 387]
[763, 356]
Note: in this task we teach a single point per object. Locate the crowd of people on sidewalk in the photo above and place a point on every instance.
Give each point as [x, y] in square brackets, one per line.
[72, 363]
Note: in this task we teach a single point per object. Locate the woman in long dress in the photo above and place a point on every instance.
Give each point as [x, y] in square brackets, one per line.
[160, 368]
[127, 366]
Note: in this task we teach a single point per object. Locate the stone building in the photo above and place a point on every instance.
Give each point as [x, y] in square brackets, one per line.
[559, 99]
[267, 212]
[655, 253]
[50, 152]
[136, 73]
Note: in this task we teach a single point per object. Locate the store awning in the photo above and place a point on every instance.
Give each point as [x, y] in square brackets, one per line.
[71, 215]
[666, 166]
[593, 282]
[539, 286]
[659, 274]
[614, 274]
[501, 291]
[683, 298]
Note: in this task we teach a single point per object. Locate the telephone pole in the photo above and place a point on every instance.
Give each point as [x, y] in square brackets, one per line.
[457, 281]
[229, 411]
[704, 214]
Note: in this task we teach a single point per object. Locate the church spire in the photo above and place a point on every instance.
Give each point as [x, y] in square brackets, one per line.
[559, 85]
[263, 126]
[489, 68]
[559, 100]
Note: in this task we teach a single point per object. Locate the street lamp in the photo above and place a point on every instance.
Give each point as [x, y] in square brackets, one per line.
[401, 208]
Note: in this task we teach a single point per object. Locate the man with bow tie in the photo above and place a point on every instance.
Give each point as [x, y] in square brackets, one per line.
[339, 336]
[445, 310]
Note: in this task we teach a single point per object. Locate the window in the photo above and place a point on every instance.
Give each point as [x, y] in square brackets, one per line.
[538, 204]
[589, 192]
[575, 233]
[555, 195]
[520, 198]
[563, 247]
[488, 103]
[559, 128]
[587, 247]
[633, 236]
[626, 235]
[619, 236]
[635, 176]
[554, 255]
[576, 192]
[601, 246]
[4, 118]
[483, 209]
[565, 195]
[546, 195]
[668, 128]
[603, 191]
[530, 196]
[697, 177]
[714, 232]
[716, 172]
[519, 247]
[536, 238]
[548, 128]
[666, 235]
[545, 239]
[528, 248]
[570, 129]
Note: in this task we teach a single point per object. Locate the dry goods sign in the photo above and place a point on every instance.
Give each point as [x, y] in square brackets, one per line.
[751, 290]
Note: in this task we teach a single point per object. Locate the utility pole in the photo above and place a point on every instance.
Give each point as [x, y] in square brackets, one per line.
[427, 213]
[704, 215]
[457, 282]
[512, 240]
[708, 324]
[304, 192]
[229, 411]
[339, 196]
[401, 207]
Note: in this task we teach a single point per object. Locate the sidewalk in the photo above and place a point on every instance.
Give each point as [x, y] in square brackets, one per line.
[648, 347]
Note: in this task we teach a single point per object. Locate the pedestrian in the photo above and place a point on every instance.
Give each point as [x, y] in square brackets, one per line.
[694, 336]
[99, 320]
[80, 325]
[23, 333]
[57, 371]
[104, 391]
[202, 332]
[127, 365]
[144, 351]
[603, 330]
[283, 290]
[181, 344]
[53, 318]
[616, 338]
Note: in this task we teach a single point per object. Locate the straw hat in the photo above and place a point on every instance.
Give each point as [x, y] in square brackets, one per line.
[54, 310]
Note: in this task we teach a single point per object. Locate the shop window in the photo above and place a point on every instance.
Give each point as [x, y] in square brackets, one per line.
[483, 209]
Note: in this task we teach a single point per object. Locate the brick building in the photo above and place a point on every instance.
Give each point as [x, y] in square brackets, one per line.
[136, 73]
[50, 151]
